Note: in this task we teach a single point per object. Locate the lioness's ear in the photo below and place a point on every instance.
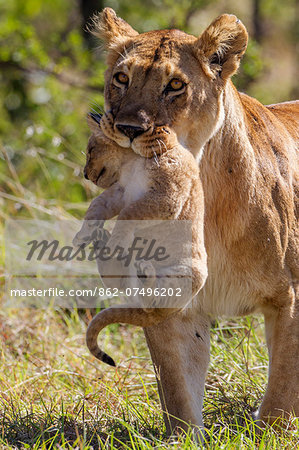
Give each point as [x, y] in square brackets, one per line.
[222, 45]
[110, 28]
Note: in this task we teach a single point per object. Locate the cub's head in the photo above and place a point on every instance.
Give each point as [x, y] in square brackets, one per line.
[104, 158]
[163, 84]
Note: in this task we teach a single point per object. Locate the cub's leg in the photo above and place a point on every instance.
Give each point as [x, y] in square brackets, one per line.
[282, 332]
[146, 273]
[103, 207]
[180, 350]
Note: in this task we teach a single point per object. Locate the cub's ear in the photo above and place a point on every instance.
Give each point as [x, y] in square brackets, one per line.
[222, 45]
[110, 28]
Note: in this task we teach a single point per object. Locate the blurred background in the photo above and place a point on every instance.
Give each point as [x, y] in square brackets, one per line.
[51, 75]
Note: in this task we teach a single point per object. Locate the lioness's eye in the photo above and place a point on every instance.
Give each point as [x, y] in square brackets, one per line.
[121, 78]
[175, 85]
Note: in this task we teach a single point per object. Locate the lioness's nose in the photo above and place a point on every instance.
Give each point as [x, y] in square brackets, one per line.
[130, 131]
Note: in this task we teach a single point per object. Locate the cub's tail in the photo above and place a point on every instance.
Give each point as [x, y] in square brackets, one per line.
[132, 316]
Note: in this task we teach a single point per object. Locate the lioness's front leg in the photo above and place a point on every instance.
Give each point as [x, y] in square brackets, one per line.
[180, 350]
[282, 331]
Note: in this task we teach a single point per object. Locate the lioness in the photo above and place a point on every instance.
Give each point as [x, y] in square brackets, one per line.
[249, 170]
[167, 186]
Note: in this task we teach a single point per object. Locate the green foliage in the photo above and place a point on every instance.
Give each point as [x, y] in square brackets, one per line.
[252, 66]
[155, 14]
[49, 81]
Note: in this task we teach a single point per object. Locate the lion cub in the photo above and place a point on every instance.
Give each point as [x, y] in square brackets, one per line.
[137, 188]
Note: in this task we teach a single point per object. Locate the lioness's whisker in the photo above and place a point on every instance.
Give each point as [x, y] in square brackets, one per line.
[99, 108]
[96, 111]
[163, 143]
[156, 153]
[156, 159]
[123, 55]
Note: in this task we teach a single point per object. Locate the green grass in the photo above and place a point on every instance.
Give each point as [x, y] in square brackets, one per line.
[55, 395]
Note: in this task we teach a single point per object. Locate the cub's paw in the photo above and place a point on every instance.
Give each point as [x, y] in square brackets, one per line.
[91, 230]
[100, 238]
[146, 273]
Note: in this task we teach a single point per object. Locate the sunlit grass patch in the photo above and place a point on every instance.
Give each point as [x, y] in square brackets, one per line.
[55, 395]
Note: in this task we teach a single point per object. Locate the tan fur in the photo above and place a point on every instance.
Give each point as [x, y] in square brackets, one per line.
[169, 188]
[249, 170]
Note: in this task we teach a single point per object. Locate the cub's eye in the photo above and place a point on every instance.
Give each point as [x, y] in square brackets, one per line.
[121, 78]
[175, 85]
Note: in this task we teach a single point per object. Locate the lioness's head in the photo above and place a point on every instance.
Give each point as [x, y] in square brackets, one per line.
[165, 83]
[104, 158]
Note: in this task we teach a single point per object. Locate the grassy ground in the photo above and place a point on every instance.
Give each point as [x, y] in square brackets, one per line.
[55, 395]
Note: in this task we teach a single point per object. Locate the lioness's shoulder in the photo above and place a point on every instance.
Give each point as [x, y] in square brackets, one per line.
[288, 114]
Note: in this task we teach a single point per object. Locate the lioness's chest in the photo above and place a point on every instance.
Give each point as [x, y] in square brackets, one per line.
[226, 293]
